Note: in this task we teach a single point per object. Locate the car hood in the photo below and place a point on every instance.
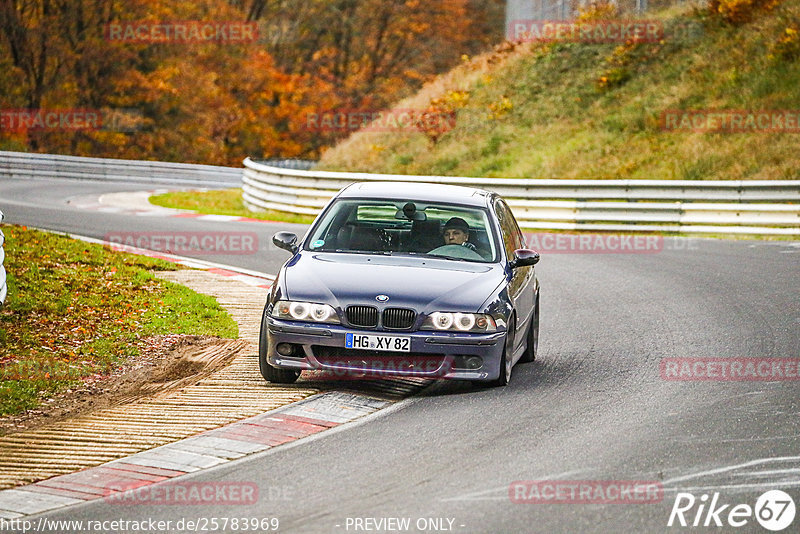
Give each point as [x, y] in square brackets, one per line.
[424, 284]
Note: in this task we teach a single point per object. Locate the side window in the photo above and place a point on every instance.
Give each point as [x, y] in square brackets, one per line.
[512, 236]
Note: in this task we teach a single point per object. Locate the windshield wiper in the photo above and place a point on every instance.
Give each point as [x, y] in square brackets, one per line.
[379, 252]
[437, 256]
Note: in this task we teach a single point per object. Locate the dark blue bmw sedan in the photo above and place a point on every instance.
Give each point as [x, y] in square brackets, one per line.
[404, 279]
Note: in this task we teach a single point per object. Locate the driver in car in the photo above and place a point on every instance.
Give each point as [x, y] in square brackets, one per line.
[456, 232]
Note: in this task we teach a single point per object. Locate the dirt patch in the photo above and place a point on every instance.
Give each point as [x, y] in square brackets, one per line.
[166, 363]
[179, 369]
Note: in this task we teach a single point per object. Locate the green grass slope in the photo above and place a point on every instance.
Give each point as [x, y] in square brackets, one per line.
[593, 111]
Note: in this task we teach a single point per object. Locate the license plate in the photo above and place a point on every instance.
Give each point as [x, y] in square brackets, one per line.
[371, 342]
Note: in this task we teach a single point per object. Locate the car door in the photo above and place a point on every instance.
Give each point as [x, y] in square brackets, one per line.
[519, 287]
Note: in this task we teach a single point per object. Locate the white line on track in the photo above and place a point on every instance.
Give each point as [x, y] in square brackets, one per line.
[730, 468]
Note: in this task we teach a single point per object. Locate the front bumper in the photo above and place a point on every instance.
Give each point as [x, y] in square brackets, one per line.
[432, 354]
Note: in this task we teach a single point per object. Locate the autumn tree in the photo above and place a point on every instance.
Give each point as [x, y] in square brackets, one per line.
[215, 102]
[373, 51]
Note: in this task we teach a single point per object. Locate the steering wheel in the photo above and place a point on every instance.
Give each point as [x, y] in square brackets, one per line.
[456, 251]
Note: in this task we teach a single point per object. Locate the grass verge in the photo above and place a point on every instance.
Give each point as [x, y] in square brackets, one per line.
[594, 111]
[222, 202]
[75, 310]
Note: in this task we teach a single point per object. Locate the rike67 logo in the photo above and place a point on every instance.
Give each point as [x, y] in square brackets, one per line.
[774, 510]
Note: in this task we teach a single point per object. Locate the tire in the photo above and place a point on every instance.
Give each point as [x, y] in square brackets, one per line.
[532, 347]
[507, 358]
[270, 373]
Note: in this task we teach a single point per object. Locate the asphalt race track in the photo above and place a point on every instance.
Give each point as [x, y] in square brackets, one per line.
[593, 407]
[44, 204]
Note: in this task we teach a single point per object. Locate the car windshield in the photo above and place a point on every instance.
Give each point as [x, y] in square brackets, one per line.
[402, 227]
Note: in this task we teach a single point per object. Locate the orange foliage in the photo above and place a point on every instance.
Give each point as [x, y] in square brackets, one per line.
[740, 11]
[217, 102]
[597, 10]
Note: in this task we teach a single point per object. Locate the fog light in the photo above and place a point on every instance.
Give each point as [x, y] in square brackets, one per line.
[285, 349]
[468, 363]
[474, 362]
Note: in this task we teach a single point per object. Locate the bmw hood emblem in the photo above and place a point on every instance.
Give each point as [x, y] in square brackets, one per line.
[382, 298]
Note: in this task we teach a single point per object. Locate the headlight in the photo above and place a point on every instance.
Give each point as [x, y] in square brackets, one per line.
[460, 322]
[304, 311]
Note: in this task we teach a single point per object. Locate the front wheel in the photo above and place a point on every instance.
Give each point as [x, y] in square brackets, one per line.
[270, 373]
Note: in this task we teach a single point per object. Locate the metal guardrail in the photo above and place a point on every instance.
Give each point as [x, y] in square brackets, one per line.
[767, 207]
[292, 163]
[32, 165]
[3, 285]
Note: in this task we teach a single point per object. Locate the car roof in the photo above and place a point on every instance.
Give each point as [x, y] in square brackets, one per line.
[418, 192]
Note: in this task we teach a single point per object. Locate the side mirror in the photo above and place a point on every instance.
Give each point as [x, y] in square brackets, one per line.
[286, 241]
[524, 257]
